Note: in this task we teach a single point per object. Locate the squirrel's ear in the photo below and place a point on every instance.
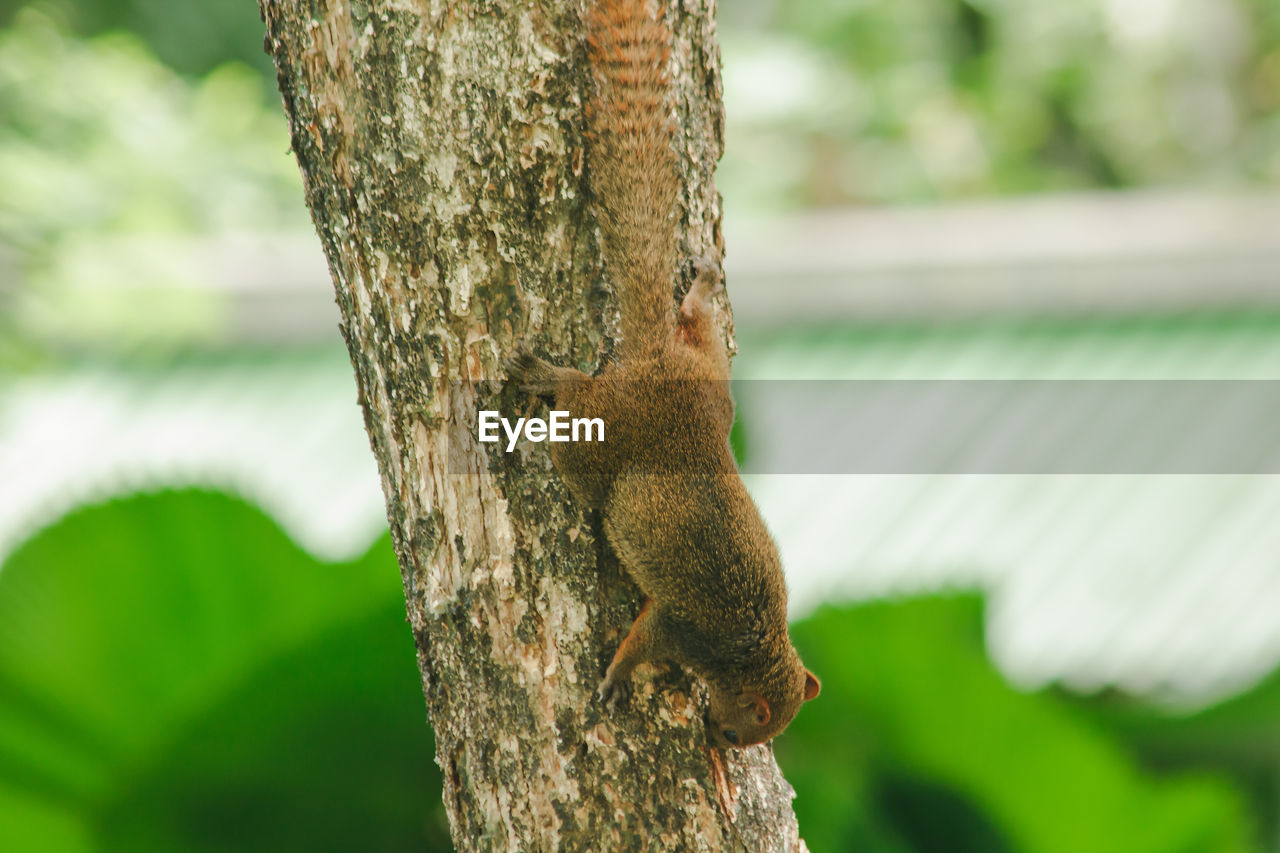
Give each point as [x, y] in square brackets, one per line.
[812, 687]
[756, 701]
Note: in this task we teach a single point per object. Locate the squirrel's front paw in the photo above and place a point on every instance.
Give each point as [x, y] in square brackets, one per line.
[614, 692]
[529, 372]
[523, 363]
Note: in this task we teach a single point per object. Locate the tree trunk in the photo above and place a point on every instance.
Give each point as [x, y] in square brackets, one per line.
[441, 145]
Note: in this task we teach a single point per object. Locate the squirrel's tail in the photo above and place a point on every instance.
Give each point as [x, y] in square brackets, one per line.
[632, 164]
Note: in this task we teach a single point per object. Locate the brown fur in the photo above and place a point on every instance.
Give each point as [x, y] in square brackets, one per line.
[664, 479]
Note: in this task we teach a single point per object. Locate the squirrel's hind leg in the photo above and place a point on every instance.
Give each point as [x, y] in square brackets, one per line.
[540, 377]
[695, 323]
[706, 282]
[696, 329]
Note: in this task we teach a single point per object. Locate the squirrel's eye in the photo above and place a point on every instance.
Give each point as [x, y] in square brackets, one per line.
[731, 736]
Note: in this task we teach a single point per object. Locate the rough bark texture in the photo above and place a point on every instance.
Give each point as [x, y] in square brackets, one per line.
[441, 145]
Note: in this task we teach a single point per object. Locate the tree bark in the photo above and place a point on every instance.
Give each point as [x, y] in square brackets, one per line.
[442, 150]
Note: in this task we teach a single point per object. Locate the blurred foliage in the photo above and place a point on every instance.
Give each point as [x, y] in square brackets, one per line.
[192, 38]
[928, 99]
[176, 675]
[108, 160]
[927, 728]
[1239, 737]
[113, 151]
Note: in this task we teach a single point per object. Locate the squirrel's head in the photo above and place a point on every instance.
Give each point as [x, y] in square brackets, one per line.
[748, 717]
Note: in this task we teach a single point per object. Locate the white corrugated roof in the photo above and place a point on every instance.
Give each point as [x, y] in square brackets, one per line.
[286, 434]
[1165, 584]
[1155, 583]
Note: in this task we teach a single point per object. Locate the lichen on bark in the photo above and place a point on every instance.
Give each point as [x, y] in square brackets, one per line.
[444, 162]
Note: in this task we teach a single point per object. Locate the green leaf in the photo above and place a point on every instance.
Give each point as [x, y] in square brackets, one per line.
[176, 675]
[1244, 727]
[910, 686]
[1239, 736]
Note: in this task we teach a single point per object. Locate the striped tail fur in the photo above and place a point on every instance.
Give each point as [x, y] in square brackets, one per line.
[632, 165]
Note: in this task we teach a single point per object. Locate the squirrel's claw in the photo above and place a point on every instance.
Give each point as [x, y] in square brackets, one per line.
[614, 693]
[522, 362]
[531, 373]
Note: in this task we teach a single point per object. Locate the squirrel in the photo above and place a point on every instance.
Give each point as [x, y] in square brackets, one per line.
[673, 505]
